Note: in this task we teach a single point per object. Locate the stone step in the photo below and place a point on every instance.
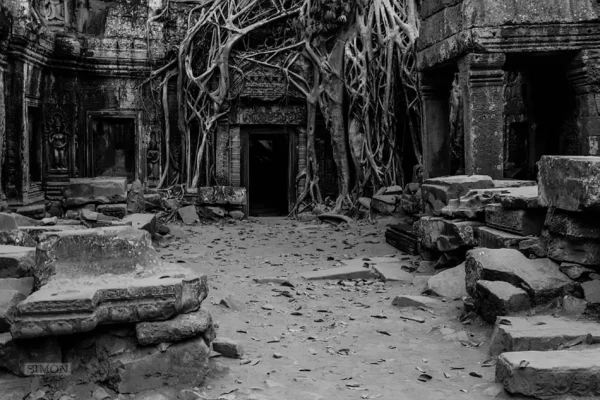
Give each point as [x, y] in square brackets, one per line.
[539, 333]
[497, 298]
[550, 374]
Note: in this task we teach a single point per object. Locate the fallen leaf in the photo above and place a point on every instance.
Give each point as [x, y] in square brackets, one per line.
[277, 355]
[476, 374]
[413, 318]
[489, 363]
[254, 362]
[447, 375]
[425, 377]
[383, 332]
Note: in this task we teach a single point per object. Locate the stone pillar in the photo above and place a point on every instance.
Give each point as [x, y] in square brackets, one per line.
[222, 154]
[302, 148]
[2, 131]
[235, 153]
[435, 126]
[584, 75]
[482, 80]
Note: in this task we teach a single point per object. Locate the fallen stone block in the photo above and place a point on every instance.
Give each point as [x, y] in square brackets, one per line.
[449, 284]
[16, 354]
[228, 348]
[513, 183]
[404, 301]
[384, 204]
[9, 299]
[445, 235]
[591, 290]
[571, 183]
[48, 221]
[216, 211]
[102, 190]
[492, 238]
[393, 272]
[17, 237]
[351, 272]
[222, 195]
[541, 333]
[188, 215]
[437, 192]
[497, 298]
[572, 306]
[410, 204]
[526, 222]
[525, 197]
[564, 249]
[135, 198]
[549, 374]
[575, 271]
[239, 215]
[152, 201]
[540, 278]
[7, 222]
[578, 225]
[113, 210]
[533, 247]
[181, 327]
[104, 276]
[146, 222]
[471, 205]
[38, 233]
[17, 261]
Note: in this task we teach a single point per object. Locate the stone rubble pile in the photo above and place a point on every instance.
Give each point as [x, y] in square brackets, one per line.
[101, 300]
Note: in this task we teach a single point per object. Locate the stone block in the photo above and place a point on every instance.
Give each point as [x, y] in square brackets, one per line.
[449, 284]
[518, 198]
[571, 183]
[7, 222]
[103, 190]
[17, 237]
[393, 272]
[188, 215]
[17, 261]
[533, 247]
[21, 285]
[572, 306]
[145, 222]
[513, 183]
[23, 220]
[577, 225]
[493, 238]
[181, 327]
[228, 348]
[104, 276]
[414, 301]
[575, 271]
[385, 204]
[549, 374]
[135, 198]
[437, 192]
[153, 201]
[497, 298]
[239, 215]
[470, 206]
[113, 210]
[9, 299]
[541, 333]
[15, 354]
[43, 232]
[540, 278]
[575, 250]
[347, 272]
[446, 235]
[526, 222]
[222, 195]
[591, 290]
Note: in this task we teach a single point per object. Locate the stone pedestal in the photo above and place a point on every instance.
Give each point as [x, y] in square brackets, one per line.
[482, 80]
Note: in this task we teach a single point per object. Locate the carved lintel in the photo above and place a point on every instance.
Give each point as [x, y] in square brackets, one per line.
[271, 115]
[483, 69]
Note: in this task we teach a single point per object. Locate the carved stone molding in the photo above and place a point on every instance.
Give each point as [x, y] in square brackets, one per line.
[271, 115]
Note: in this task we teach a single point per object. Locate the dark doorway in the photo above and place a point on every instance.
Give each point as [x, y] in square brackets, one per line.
[34, 126]
[114, 147]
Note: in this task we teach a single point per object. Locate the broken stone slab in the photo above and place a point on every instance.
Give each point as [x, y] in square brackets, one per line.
[348, 272]
[101, 190]
[17, 261]
[17, 237]
[525, 222]
[222, 195]
[38, 233]
[577, 225]
[384, 204]
[9, 299]
[445, 235]
[16, 354]
[113, 210]
[581, 251]
[437, 192]
[540, 278]
[23, 220]
[533, 248]
[548, 374]
[449, 284]
[571, 183]
[541, 333]
[404, 301]
[7, 222]
[497, 298]
[591, 290]
[152, 201]
[228, 348]
[104, 276]
[492, 238]
[188, 215]
[146, 222]
[575, 271]
[512, 183]
[177, 329]
[21, 285]
[524, 197]
[393, 272]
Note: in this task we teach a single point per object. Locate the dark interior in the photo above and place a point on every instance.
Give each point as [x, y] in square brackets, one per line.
[35, 144]
[114, 148]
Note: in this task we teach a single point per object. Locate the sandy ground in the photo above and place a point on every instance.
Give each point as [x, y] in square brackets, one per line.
[323, 340]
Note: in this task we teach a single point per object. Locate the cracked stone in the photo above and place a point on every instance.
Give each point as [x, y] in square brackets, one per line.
[181, 327]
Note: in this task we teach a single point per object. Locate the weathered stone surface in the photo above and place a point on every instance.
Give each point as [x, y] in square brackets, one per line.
[513, 183]
[239, 215]
[348, 272]
[135, 198]
[188, 215]
[445, 235]
[519, 198]
[17, 237]
[7, 222]
[540, 278]
[104, 276]
[393, 272]
[492, 238]
[497, 298]
[385, 204]
[183, 363]
[437, 192]
[575, 271]
[9, 299]
[571, 183]
[450, 283]
[15, 354]
[222, 195]
[572, 306]
[579, 225]
[145, 222]
[591, 289]
[181, 327]
[17, 261]
[542, 333]
[23, 220]
[533, 248]
[550, 374]
[152, 201]
[580, 251]
[414, 301]
[470, 206]
[228, 348]
[21, 285]
[526, 222]
[113, 210]
[102, 190]
[43, 232]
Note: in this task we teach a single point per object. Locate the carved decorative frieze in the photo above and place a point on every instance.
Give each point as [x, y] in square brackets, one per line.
[271, 115]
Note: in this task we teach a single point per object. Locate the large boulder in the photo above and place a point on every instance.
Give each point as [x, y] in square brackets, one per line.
[540, 278]
[102, 190]
[571, 183]
[446, 235]
[437, 192]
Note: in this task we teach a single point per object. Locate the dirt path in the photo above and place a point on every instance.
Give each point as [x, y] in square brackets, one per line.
[331, 347]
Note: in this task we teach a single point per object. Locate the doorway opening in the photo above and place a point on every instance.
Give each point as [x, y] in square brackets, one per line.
[114, 147]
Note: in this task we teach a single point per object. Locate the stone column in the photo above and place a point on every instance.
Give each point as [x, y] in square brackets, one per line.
[222, 154]
[584, 75]
[302, 148]
[235, 150]
[2, 131]
[482, 80]
[435, 126]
